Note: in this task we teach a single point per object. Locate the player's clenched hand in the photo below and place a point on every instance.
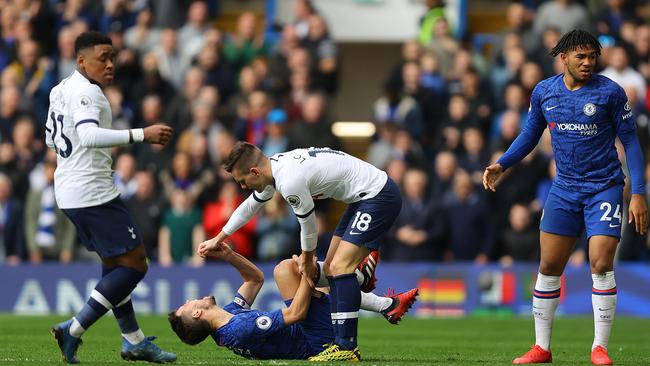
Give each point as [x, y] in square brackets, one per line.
[158, 134]
[638, 213]
[306, 268]
[491, 176]
[213, 248]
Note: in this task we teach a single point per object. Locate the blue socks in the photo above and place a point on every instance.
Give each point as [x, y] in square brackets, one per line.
[348, 300]
[111, 292]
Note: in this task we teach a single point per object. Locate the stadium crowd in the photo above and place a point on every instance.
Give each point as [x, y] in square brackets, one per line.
[448, 109]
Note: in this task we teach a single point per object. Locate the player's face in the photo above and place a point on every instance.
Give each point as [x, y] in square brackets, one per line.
[580, 63]
[191, 305]
[249, 180]
[98, 63]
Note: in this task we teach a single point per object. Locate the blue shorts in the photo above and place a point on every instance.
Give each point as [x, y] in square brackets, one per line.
[568, 213]
[107, 229]
[364, 222]
[317, 326]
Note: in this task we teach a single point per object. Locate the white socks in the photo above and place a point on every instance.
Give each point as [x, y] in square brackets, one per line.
[603, 300]
[134, 337]
[372, 302]
[545, 299]
[76, 330]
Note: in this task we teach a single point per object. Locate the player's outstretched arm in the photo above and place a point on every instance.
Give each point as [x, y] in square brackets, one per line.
[491, 176]
[253, 277]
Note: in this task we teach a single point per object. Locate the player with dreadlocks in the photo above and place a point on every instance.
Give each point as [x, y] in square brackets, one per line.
[584, 114]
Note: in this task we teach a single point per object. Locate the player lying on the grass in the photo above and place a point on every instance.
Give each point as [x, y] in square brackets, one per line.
[301, 330]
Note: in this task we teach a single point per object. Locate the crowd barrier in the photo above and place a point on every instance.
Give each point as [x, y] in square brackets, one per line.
[445, 289]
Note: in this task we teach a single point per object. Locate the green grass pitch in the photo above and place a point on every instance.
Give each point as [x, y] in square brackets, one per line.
[467, 341]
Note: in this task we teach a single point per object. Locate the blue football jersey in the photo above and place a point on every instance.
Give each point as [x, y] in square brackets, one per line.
[583, 124]
[258, 334]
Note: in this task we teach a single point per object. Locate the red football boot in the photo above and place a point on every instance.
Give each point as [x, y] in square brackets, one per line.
[367, 267]
[599, 356]
[535, 355]
[402, 302]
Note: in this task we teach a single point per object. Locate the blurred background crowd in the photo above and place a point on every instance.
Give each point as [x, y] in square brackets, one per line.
[451, 106]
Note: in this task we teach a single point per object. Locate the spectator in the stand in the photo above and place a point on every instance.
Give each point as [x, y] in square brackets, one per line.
[143, 37]
[276, 140]
[450, 131]
[147, 208]
[396, 168]
[8, 19]
[122, 113]
[34, 77]
[217, 72]
[204, 120]
[409, 149]
[12, 231]
[324, 55]
[621, 73]
[521, 239]
[429, 102]
[515, 57]
[217, 213]
[519, 22]
[151, 83]
[65, 63]
[418, 227]
[640, 57]
[530, 74]
[435, 11]
[172, 63]
[475, 156]
[124, 176]
[277, 230]
[541, 56]
[544, 187]
[515, 100]
[443, 174]
[411, 52]
[469, 233]
[443, 44]
[300, 88]
[302, 10]
[179, 111]
[27, 151]
[400, 109]
[509, 129]
[478, 99]
[612, 16]
[241, 47]
[10, 101]
[278, 69]
[564, 15]
[430, 76]
[197, 24]
[237, 107]
[72, 11]
[315, 127]
[252, 128]
[50, 236]
[382, 151]
[180, 232]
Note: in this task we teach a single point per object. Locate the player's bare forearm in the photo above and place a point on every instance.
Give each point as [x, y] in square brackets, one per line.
[297, 311]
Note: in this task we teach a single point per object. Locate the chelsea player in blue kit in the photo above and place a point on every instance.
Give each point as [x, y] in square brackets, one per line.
[584, 114]
[300, 330]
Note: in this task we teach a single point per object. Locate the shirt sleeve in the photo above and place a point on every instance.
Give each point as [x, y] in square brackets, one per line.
[85, 116]
[247, 209]
[298, 196]
[529, 136]
[625, 124]
[237, 305]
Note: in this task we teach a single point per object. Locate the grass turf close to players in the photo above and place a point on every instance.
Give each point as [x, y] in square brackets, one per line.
[470, 341]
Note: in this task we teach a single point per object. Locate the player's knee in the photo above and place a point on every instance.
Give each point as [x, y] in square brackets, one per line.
[550, 268]
[600, 266]
[338, 267]
[285, 268]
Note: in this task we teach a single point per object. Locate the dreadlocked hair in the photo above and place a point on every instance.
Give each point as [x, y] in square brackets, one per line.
[576, 39]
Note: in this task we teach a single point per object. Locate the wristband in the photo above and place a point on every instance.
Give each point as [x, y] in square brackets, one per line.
[136, 135]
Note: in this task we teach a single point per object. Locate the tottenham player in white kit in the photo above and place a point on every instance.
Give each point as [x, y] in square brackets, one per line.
[78, 129]
[301, 176]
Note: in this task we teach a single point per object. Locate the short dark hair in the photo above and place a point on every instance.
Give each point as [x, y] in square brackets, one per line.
[90, 39]
[192, 331]
[244, 155]
[576, 39]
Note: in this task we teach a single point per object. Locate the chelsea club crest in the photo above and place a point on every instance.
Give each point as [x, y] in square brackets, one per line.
[589, 109]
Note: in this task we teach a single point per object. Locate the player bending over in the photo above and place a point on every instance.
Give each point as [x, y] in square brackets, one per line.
[301, 330]
[302, 176]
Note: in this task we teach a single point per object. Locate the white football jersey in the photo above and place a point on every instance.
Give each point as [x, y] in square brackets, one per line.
[83, 175]
[304, 175]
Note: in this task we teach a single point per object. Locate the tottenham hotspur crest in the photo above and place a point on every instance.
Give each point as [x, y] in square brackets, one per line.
[589, 109]
[131, 230]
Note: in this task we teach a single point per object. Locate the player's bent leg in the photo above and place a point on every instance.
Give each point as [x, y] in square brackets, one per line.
[401, 304]
[602, 249]
[366, 271]
[287, 278]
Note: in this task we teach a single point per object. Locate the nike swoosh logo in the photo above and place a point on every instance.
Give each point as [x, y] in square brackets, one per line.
[354, 233]
[605, 309]
[610, 225]
[553, 107]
